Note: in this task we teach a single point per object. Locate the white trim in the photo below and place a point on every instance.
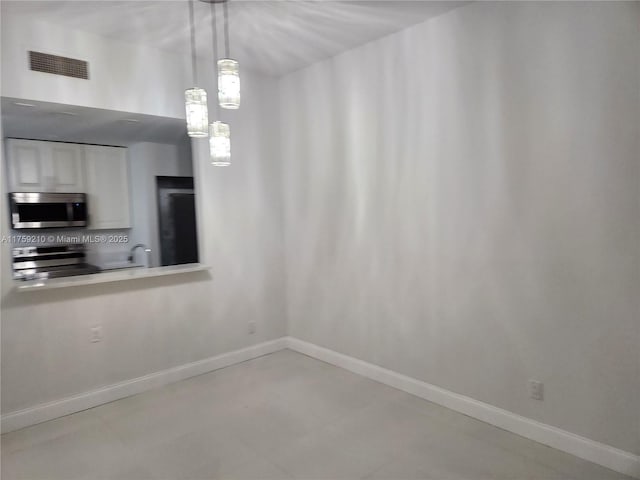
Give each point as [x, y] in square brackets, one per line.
[596, 452]
[58, 408]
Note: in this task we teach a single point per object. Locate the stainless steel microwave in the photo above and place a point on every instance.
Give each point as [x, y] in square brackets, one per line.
[47, 210]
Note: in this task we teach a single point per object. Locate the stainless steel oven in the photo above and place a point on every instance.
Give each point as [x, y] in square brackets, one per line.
[51, 261]
[47, 210]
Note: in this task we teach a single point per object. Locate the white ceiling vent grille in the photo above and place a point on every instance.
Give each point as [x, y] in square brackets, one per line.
[69, 67]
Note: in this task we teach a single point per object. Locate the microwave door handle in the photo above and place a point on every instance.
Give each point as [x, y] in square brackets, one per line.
[70, 213]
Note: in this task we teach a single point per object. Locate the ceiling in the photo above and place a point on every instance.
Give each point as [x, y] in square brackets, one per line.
[56, 122]
[270, 36]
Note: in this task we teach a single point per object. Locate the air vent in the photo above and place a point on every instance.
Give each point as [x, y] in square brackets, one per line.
[69, 67]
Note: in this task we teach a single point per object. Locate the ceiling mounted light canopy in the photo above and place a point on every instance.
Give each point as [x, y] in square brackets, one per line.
[195, 98]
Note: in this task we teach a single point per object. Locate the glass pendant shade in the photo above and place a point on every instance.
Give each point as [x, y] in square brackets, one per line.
[228, 84]
[220, 144]
[197, 112]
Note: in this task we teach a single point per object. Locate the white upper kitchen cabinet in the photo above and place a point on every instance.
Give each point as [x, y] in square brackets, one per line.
[37, 166]
[67, 167]
[107, 170]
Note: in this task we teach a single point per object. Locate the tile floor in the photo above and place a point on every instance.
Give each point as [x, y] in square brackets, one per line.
[281, 416]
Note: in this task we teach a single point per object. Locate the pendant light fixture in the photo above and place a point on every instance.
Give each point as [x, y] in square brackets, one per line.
[228, 72]
[220, 144]
[195, 97]
[228, 84]
[219, 132]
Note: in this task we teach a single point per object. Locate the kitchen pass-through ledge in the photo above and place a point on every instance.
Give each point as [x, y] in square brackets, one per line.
[109, 276]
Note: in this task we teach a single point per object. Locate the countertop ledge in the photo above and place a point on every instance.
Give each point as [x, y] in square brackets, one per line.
[109, 276]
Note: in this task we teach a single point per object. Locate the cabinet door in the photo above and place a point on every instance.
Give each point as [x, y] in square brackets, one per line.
[67, 167]
[28, 166]
[107, 173]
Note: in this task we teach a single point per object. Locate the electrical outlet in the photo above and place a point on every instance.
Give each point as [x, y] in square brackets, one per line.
[96, 334]
[536, 390]
[252, 327]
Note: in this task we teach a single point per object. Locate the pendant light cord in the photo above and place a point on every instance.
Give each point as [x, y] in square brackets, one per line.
[214, 34]
[226, 28]
[194, 68]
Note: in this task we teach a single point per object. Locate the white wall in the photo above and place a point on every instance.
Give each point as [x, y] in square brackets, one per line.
[148, 160]
[152, 324]
[460, 202]
[122, 76]
[462, 206]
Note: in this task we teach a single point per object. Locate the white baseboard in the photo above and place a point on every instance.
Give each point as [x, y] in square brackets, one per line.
[605, 455]
[48, 411]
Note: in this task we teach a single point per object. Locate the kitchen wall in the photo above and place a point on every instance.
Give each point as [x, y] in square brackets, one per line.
[157, 323]
[148, 160]
[122, 76]
[462, 205]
